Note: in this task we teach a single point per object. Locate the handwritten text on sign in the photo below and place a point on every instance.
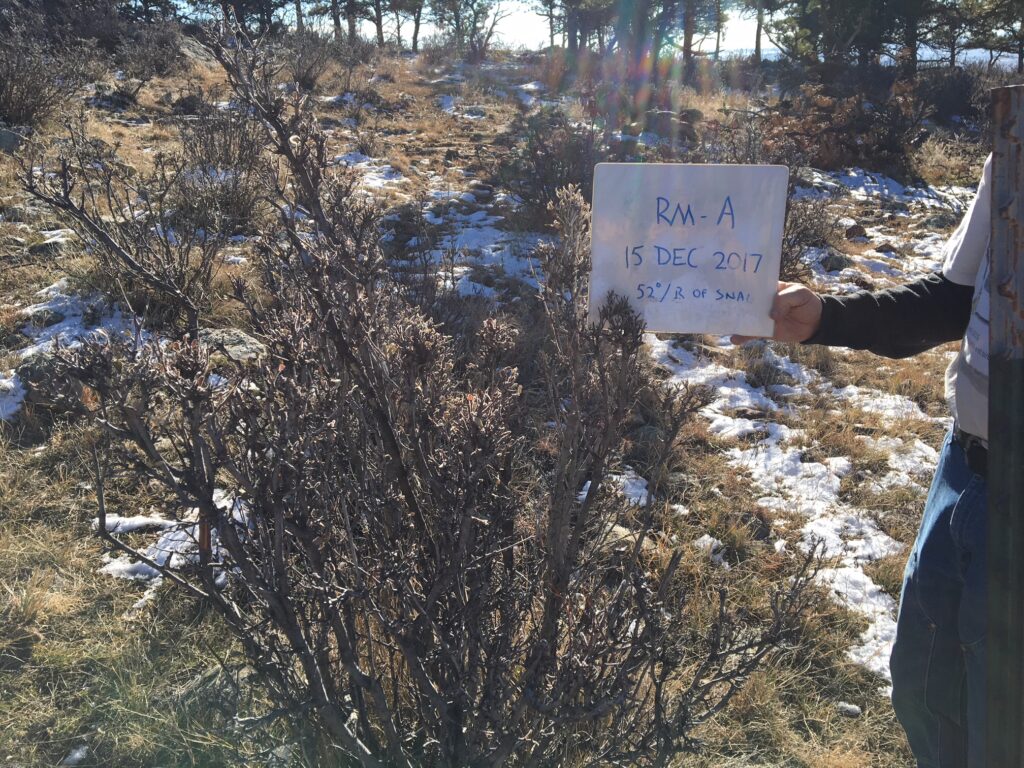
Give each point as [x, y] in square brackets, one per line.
[695, 248]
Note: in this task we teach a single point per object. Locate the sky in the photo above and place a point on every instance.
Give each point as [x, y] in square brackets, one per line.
[525, 28]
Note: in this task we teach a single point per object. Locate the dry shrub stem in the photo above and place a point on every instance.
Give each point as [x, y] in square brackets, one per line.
[367, 507]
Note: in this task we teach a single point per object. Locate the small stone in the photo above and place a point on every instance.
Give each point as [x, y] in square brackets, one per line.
[887, 248]
[834, 261]
[848, 710]
[941, 220]
[10, 142]
[44, 318]
[54, 245]
[856, 230]
[237, 345]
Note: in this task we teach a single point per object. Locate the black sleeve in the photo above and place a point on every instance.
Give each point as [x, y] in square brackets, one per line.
[898, 322]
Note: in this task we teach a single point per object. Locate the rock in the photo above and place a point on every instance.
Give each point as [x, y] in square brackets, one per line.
[887, 248]
[633, 129]
[691, 116]
[474, 111]
[55, 244]
[10, 142]
[856, 230]
[196, 51]
[48, 385]
[941, 220]
[481, 190]
[834, 260]
[44, 318]
[235, 344]
[24, 213]
[668, 126]
[848, 710]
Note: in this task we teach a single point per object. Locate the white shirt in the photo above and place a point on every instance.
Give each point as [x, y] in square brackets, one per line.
[966, 262]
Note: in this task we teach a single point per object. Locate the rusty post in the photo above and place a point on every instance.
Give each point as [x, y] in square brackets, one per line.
[1005, 645]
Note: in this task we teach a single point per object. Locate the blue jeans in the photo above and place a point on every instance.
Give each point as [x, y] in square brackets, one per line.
[938, 660]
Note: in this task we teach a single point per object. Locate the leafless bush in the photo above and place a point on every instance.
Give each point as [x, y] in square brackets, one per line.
[36, 77]
[161, 266]
[350, 54]
[417, 582]
[225, 171]
[810, 223]
[549, 153]
[307, 56]
[368, 143]
[154, 50]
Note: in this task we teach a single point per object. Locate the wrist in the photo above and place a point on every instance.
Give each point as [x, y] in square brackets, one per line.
[825, 320]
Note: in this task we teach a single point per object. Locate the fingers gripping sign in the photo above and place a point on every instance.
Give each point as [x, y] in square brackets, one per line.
[796, 311]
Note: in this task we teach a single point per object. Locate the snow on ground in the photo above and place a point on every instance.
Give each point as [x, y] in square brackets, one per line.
[176, 545]
[63, 319]
[777, 466]
[374, 175]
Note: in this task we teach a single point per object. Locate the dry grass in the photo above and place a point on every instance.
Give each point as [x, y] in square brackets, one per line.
[948, 160]
[146, 690]
[76, 665]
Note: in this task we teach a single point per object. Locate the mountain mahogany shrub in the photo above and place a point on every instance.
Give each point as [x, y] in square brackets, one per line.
[151, 50]
[420, 550]
[161, 265]
[810, 223]
[306, 57]
[548, 152]
[226, 171]
[37, 77]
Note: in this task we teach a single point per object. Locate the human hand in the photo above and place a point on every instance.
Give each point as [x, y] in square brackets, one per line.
[796, 311]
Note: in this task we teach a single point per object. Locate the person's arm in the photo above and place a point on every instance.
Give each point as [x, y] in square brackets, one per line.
[897, 322]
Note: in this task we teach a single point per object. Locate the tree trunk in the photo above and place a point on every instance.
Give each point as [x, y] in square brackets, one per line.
[416, 16]
[689, 30]
[551, 27]
[336, 19]
[378, 21]
[351, 16]
[572, 28]
[300, 23]
[911, 43]
[759, 32]
[718, 29]
[398, 30]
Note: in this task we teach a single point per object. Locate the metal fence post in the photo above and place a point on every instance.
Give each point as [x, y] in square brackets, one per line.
[1005, 646]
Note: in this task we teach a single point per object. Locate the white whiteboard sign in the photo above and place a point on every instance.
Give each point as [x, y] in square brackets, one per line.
[695, 248]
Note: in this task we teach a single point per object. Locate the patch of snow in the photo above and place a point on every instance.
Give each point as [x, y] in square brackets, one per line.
[713, 548]
[76, 756]
[12, 395]
[119, 524]
[777, 467]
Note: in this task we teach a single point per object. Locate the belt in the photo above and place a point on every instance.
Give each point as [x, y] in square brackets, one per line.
[974, 449]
